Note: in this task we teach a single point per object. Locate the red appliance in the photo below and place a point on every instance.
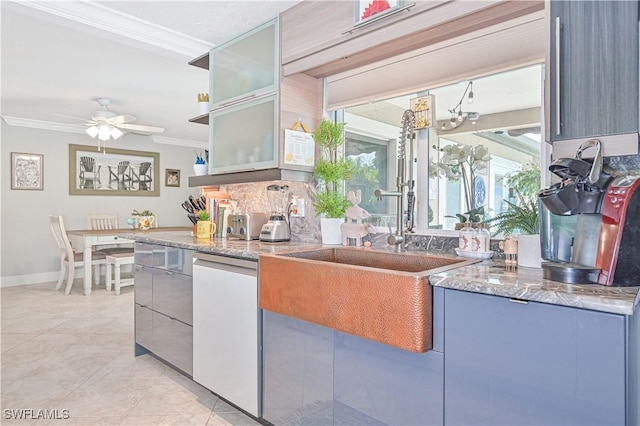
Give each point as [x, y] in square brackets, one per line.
[619, 243]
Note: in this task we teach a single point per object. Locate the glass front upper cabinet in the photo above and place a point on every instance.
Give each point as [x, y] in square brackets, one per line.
[243, 136]
[245, 67]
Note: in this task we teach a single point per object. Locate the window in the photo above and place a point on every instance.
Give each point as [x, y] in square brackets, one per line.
[504, 120]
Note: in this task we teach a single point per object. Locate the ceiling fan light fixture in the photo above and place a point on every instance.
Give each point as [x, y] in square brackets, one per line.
[92, 131]
[116, 133]
[104, 132]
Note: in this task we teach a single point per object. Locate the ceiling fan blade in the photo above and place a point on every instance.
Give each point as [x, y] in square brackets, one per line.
[121, 119]
[71, 116]
[140, 128]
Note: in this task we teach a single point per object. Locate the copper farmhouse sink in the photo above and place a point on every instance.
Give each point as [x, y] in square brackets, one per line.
[379, 295]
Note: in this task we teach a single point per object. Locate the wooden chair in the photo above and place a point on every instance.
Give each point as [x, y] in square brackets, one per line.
[107, 221]
[69, 259]
[102, 221]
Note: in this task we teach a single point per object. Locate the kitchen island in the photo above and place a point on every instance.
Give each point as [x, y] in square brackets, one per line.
[509, 348]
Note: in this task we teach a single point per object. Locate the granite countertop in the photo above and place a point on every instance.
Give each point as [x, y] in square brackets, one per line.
[232, 247]
[488, 277]
[493, 277]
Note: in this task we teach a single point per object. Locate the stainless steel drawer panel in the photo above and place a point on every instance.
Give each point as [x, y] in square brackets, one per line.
[173, 342]
[144, 254]
[164, 257]
[179, 260]
[143, 285]
[144, 327]
[173, 295]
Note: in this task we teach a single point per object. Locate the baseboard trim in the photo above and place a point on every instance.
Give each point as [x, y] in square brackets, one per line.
[28, 279]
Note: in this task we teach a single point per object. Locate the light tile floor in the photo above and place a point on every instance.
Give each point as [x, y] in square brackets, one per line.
[76, 353]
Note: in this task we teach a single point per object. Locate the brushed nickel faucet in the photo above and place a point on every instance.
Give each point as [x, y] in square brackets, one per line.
[397, 238]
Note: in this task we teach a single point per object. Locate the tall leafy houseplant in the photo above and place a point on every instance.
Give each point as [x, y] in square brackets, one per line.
[331, 171]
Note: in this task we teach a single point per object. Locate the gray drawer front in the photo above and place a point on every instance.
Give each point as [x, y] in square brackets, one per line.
[144, 254]
[164, 257]
[173, 295]
[173, 342]
[176, 260]
[144, 327]
[143, 285]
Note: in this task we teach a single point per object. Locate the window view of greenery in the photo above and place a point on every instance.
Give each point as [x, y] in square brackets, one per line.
[472, 151]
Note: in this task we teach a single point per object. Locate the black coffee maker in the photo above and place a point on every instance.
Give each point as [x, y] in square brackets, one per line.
[570, 217]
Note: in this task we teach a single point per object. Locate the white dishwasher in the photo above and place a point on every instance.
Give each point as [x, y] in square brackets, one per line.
[226, 329]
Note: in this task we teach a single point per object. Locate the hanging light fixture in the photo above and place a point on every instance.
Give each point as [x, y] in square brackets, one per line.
[104, 132]
[92, 131]
[116, 133]
[457, 116]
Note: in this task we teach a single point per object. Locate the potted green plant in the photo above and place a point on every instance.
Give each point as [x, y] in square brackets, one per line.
[522, 215]
[331, 171]
[200, 168]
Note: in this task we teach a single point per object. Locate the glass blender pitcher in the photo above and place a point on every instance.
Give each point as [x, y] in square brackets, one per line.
[277, 228]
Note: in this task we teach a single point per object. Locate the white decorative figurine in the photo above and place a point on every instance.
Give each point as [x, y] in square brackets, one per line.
[354, 228]
[510, 247]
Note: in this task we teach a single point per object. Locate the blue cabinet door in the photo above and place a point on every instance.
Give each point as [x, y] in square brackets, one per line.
[378, 384]
[509, 362]
[298, 371]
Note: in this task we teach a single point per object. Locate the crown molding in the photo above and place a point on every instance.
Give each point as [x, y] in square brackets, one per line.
[71, 128]
[43, 125]
[180, 142]
[101, 17]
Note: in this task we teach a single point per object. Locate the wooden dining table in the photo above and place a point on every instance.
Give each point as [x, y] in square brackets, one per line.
[90, 238]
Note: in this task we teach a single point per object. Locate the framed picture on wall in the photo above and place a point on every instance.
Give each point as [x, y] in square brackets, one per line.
[171, 177]
[27, 171]
[368, 9]
[113, 172]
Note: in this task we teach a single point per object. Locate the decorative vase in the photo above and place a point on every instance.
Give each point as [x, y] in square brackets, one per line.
[529, 251]
[145, 222]
[330, 230]
[200, 169]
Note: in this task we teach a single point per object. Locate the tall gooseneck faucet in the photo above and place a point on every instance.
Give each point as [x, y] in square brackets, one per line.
[398, 238]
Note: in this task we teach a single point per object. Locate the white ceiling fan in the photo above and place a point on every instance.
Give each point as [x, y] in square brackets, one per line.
[105, 124]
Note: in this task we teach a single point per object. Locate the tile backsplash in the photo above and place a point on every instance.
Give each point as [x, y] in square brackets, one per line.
[252, 197]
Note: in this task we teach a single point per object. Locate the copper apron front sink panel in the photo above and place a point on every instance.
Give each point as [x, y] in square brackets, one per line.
[378, 295]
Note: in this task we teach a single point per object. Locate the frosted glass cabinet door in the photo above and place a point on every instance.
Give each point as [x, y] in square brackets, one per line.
[245, 66]
[243, 137]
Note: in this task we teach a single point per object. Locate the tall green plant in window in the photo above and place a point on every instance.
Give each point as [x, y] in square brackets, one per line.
[331, 170]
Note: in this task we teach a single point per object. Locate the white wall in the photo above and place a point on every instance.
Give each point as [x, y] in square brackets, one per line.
[29, 252]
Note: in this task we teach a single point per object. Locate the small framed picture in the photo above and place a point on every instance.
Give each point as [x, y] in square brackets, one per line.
[27, 171]
[172, 177]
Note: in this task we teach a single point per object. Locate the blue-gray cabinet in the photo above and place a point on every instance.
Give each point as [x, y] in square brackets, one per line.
[315, 375]
[593, 69]
[513, 362]
[495, 361]
[377, 384]
[297, 371]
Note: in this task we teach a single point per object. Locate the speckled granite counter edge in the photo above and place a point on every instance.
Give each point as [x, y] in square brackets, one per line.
[489, 277]
[527, 284]
[249, 250]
